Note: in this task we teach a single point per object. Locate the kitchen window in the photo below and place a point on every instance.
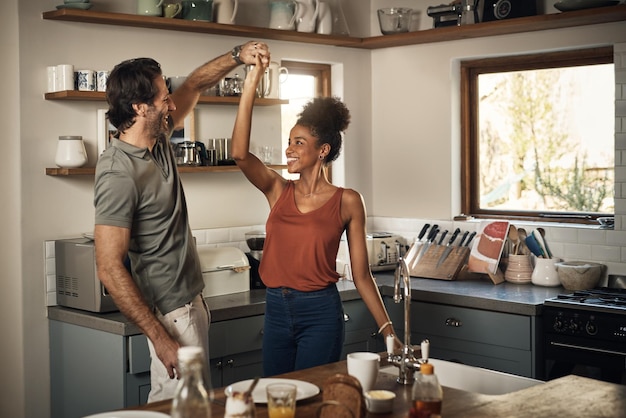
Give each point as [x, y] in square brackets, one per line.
[538, 136]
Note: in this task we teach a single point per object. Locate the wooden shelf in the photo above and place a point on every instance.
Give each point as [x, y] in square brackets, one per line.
[90, 171]
[99, 96]
[504, 27]
[250, 32]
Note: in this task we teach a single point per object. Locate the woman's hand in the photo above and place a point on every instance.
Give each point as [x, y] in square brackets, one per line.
[255, 72]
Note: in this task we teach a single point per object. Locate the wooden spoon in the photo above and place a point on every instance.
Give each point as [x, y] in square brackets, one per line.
[513, 239]
[545, 243]
[522, 249]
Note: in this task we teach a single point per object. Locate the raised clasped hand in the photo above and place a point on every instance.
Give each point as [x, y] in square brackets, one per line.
[252, 50]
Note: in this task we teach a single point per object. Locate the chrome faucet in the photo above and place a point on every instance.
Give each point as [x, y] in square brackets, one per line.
[406, 362]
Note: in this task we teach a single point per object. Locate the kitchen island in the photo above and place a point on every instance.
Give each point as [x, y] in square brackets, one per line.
[569, 396]
[499, 331]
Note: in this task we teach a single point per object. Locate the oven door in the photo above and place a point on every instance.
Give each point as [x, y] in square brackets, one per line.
[583, 355]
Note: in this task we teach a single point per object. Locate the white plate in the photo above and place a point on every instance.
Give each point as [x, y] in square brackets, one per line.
[305, 389]
[129, 414]
[569, 5]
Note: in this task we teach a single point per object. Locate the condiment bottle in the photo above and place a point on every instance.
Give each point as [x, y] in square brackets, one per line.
[191, 399]
[427, 393]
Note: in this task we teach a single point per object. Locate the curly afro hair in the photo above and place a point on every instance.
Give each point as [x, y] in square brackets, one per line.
[327, 118]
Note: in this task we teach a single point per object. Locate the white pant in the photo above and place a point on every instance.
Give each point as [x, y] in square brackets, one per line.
[189, 325]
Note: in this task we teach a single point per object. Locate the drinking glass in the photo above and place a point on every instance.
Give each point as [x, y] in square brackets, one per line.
[281, 400]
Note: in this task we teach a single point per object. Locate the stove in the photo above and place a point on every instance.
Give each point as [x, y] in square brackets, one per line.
[585, 333]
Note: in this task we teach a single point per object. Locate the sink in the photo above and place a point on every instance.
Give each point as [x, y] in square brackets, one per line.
[474, 379]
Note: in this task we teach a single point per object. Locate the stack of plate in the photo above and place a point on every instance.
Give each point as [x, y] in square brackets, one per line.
[75, 4]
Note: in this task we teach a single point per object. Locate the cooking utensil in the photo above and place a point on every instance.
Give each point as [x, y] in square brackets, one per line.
[522, 249]
[470, 238]
[533, 245]
[541, 243]
[465, 234]
[431, 236]
[513, 239]
[443, 236]
[449, 247]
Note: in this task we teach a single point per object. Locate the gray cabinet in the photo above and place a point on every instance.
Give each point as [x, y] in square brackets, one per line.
[492, 340]
[94, 371]
[360, 329]
[235, 350]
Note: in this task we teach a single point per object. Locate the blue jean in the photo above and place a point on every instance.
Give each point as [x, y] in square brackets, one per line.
[302, 329]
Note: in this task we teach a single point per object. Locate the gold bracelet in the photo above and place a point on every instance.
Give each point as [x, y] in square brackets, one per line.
[383, 326]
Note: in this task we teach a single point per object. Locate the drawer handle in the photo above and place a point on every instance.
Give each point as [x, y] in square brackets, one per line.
[346, 317]
[452, 322]
[218, 365]
[230, 363]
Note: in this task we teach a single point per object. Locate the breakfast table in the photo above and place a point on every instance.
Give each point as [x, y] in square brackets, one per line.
[571, 395]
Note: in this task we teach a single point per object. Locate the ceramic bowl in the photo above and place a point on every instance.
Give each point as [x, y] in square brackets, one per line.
[579, 275]
[379, 401]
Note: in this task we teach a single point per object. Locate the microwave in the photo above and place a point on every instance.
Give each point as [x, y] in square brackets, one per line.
[77, 282]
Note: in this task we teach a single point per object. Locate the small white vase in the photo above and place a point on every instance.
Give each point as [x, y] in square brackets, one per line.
[545, 273]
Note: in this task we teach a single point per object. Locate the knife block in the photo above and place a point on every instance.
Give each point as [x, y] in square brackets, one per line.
[426, 267]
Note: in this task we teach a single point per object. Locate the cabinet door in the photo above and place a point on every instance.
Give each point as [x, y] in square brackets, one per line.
[492, 340]
[360, 328]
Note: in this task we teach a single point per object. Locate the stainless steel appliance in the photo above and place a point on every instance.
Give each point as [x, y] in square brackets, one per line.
[384, 249]
[585, 334]
[255, 241]
[77, 282]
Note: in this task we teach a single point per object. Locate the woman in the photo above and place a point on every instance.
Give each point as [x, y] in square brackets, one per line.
[304, 324]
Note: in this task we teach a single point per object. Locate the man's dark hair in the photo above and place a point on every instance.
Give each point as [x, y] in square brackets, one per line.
[130, 82]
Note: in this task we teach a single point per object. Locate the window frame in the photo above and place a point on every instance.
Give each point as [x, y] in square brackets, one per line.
[470, 174]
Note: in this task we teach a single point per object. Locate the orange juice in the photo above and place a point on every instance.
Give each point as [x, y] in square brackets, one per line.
[281, 412]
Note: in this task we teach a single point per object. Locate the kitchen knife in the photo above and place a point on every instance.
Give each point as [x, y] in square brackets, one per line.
[449, 247]
[465, 234]
[422, 232]
[412, 252]
[443, 236]
[431, 237]
[470, 238]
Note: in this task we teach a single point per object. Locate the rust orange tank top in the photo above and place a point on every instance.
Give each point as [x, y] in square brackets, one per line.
[300, 249]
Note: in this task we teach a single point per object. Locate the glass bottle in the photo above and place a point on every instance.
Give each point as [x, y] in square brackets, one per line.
[191, 399]
[427, 394]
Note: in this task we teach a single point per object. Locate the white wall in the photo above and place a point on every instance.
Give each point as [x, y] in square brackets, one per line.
[11, 309]
[403, 104]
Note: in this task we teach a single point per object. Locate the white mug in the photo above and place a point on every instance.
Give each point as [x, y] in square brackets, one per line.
[101, 80]
[86, 80]
[364, 366]
[52, 78]
[65, 77]
[150, 7]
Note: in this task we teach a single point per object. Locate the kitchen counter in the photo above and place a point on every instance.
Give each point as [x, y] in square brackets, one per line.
[569, 396]
[512, 298]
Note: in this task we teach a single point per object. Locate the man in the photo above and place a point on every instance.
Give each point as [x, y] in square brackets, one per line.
[141, 211]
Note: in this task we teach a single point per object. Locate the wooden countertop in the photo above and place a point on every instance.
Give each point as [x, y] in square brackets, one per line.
[569, 396]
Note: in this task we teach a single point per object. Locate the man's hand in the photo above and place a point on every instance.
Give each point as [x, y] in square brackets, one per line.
[167, 350]
[250, 50]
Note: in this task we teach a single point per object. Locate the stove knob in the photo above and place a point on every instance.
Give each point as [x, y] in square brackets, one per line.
[558, 325]
[591, 328]
[574, 327]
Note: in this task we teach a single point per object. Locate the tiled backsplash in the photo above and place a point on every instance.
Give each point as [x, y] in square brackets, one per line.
[566, 241]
